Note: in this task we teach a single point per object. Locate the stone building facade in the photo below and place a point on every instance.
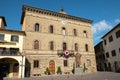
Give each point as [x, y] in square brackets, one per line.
[53, 39]
[12, 61]
[100, 57]
[111, 44]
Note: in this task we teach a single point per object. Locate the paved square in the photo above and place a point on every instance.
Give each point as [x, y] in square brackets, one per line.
[84, 76]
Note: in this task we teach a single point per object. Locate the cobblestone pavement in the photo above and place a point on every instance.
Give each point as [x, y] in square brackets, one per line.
[84, 76]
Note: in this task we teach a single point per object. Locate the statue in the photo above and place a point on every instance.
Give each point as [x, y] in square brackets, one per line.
[77, 60]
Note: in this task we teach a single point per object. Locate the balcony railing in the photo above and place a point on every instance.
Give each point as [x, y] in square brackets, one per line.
[62, 53]
[9, 53]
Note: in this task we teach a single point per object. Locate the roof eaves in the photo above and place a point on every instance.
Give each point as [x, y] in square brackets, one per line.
[111, 30]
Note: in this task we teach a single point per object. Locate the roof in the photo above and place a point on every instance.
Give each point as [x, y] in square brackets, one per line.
[51, 13]
[118, 25]
[3, 20]
[99, 43]
[13, 31]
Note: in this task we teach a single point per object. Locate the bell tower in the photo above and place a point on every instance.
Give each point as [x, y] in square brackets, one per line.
[62, 11]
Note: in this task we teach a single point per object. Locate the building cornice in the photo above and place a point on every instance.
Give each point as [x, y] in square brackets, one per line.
[51, 13]
[12, 31]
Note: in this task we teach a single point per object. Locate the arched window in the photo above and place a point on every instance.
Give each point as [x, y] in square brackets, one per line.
[76, 47]
[86, 47]
[63, 31]
[51, 29]
[36, 44]
[51, 45]
[75, 32]
[64, 46]
[85, 33]
[36, 27]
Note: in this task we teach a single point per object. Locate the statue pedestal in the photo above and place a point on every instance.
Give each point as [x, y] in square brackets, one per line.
[78, 70]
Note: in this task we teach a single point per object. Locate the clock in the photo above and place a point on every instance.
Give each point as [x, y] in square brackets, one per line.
[63, 22]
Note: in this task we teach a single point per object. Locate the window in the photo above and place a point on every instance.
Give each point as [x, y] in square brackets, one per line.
[36, 27]
[103, 56]
[1, 36]
[15, 38]
[65, 63]
[105, 42]
[76, 47]
[118, 34]
[86, 47]
[36, 44]
[85, 33]
[110, 38]
[51, 45]
[51, 28]
[107, 55]
[64, 46]
[36, 63]
[63, 31]
[88, 62]
[113, 52]
[75, 32]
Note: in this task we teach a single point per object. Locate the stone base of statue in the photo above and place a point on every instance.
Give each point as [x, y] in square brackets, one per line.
[79, 70]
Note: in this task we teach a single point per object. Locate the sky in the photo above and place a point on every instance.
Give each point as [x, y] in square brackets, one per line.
[104, 13]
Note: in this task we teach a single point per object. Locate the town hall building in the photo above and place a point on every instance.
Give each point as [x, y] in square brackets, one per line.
[56, 41]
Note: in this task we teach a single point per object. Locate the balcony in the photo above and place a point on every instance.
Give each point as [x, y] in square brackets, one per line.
[9, 53]
[62, 53]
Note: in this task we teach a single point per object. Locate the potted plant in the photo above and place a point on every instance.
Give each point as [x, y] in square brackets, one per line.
[59, 70]
[47, 72]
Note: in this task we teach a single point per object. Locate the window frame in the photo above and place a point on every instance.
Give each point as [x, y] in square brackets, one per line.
[64, 46]
[107, 55]
[105, 41]
[85, 34]
[88, 62]
[51, 45]
[36, 45]
[118, 34]
[51, 29]
[63, 31]
[110, 38]
[113, 53]
[86, 48]
[36, 27]
[75, 32]
[65, 63]
[36, 64]
[14, 38]
[2, 36]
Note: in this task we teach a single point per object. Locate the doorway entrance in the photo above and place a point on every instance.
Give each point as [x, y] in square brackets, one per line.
[52, 67]
[4, 69]
[9, 67]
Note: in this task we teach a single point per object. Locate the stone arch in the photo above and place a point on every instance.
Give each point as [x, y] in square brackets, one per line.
[9, 67]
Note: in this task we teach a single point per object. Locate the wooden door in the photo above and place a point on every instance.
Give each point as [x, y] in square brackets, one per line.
[52, 67]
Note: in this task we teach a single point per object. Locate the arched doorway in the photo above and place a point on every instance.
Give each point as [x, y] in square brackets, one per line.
[52, 67]
[9, 67]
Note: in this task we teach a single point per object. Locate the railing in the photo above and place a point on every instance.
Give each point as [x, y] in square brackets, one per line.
[9, 53]
[62, 53]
